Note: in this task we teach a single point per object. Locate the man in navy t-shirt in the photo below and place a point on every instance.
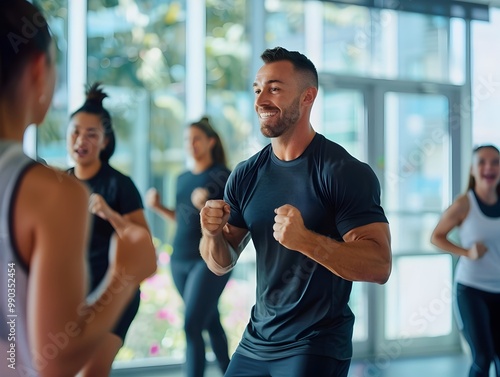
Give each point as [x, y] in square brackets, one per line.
[313, 213]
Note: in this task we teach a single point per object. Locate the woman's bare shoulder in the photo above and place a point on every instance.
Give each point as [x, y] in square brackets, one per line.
[462, 202]
[48, 203]
[57, 180]
[459, 208]
[49, 188]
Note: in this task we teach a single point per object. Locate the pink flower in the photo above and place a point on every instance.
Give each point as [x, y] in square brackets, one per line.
[144, 296]
[166, 315]
[157, 281]
[154, 350]
[164, 258]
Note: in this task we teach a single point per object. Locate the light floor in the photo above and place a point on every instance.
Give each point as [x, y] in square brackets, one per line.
[438, 366]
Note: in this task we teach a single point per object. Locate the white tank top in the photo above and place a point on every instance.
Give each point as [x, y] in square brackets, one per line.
[484, 273]
[14, 345]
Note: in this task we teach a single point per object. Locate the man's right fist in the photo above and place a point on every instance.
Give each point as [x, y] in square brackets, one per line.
[213, 216]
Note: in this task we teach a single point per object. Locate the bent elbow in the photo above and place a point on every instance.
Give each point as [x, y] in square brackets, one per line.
[379, 275]
[432, 239]
[383, 277]
[435, 239]
[384, 272]
[439, 240]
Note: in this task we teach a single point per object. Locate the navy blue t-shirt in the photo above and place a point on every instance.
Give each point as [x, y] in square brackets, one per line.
[121, 194]
[301, 307]
[186, 243]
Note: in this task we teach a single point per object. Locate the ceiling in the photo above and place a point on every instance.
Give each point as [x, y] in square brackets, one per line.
[492, 3]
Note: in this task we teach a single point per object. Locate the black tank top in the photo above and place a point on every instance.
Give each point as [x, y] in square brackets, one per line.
[490, 210]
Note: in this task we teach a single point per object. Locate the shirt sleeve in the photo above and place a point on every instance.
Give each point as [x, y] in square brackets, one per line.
[357, 197]
[231, 195]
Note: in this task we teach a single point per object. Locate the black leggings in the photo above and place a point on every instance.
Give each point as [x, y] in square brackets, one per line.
[200, 289]
[479, 314]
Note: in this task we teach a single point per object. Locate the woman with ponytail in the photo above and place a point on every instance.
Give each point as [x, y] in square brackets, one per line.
[114, 202]
[199, 287]
[476, 216]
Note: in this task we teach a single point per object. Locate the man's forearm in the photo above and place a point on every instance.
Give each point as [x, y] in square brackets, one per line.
[219, 256]
[366, 257]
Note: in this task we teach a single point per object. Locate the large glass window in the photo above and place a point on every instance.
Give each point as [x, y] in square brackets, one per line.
[139, 50]
[483, 107]
[418, 307]
[285, 24]
[416, 167]
[387, 44]
[229, 99]
[344, 120]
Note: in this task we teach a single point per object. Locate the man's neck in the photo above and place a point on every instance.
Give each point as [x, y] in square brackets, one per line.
[290, 147]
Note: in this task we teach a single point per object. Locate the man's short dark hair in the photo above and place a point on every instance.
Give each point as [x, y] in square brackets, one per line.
[300, 61]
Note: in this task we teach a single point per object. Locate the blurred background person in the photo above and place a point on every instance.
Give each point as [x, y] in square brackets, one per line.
[477, 216]
[114, 200]
[199, 287]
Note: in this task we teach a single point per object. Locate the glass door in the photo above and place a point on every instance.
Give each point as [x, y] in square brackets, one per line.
[405, 135]
[417, 175]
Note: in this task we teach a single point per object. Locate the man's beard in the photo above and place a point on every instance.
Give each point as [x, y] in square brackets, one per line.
[288, 119]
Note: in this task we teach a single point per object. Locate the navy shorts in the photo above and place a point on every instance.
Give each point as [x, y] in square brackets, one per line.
[294, 366]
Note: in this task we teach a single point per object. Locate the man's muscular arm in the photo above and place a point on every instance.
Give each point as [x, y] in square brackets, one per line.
[365, 254]
[221, 243]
